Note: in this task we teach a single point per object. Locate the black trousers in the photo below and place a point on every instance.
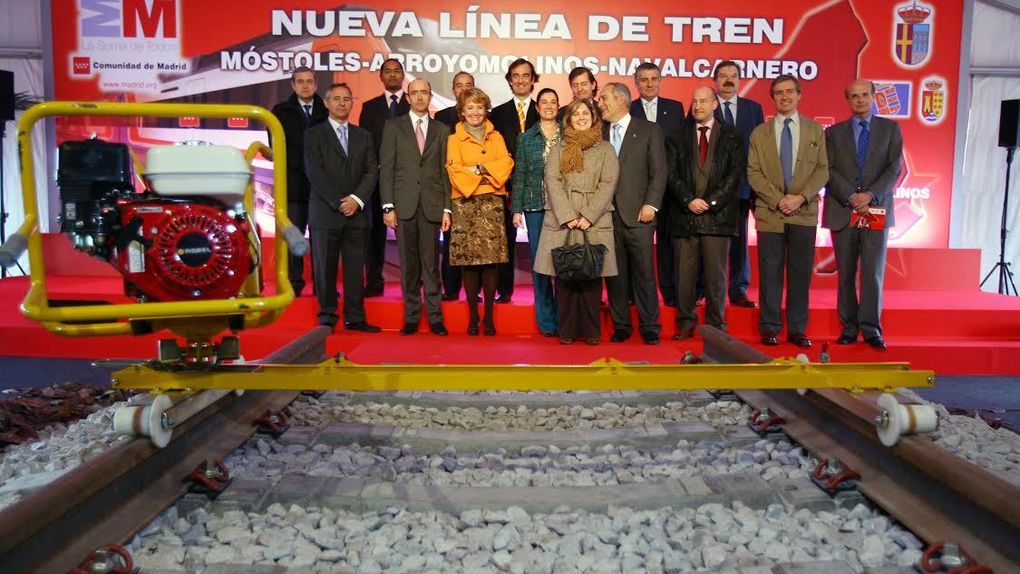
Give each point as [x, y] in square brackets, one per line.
[297, 211]
[418, 241]
[788, 255]
[578, 308]
[375, 258]
[635, 261]
[328, 245]
[505, 285]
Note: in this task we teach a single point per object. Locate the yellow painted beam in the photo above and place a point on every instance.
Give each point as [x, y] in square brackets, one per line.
[603, 375]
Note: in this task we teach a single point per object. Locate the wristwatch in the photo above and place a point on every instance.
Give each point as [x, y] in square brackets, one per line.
[478, 169]
[387, 209]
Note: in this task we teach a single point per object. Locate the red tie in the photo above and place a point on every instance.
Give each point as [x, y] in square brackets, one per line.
[703, 144]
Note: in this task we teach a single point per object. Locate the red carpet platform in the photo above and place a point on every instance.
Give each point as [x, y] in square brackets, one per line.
[934, 317]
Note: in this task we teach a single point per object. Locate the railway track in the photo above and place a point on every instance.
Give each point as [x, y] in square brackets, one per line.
[660, 450]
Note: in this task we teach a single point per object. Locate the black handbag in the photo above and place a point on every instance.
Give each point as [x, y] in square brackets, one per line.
[578, 261]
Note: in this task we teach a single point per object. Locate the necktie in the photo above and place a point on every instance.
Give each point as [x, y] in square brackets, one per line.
[308, 113]
[419, 134]
[616, 138]
[786, 154]
[728, 114]
[520, 115]
[703, 144]
[393, 106]
[862, 152]
[341, 130]
[650, 111]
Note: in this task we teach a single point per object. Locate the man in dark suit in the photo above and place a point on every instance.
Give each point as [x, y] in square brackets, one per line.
[583, 86]
[451, 273]
[641, 151]
[865, 154]
[461, 82]
[374, 113]
[415, 192]
[303, 109]
[341, 165]
[669, 114]
[707, 160]
[510, 119]
[745, 115]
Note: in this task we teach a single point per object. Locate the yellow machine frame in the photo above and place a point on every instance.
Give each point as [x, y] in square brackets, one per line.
[194, 319]
[602, 375]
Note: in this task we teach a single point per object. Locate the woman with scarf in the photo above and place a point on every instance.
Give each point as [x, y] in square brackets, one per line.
[528, 203]
[580, 178]
[479, 166]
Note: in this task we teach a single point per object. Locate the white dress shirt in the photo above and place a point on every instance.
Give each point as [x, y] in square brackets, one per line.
[780, 121]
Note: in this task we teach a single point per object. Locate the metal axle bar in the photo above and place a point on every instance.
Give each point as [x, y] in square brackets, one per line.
[605, 374]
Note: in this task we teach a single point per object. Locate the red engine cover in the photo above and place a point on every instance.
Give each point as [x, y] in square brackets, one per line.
[187, 251]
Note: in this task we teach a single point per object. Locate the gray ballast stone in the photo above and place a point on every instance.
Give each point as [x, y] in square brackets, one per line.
[826, 567]
[363, 495]
[530, 400]
[243, 494]
[434, 440]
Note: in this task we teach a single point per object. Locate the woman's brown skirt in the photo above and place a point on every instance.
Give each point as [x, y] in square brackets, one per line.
[477, 236]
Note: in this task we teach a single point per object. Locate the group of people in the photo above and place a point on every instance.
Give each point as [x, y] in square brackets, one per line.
[667, 194]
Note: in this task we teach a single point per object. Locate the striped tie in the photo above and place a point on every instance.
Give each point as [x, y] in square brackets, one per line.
[520, 114]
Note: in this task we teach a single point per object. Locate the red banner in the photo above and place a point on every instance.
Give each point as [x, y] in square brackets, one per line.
[235, 51]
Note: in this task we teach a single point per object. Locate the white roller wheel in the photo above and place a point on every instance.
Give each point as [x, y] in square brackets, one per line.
[897, 420]
[145, 420]
[803, 359]
[239, 361]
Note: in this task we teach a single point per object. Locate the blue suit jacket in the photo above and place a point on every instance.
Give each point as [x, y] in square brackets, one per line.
[749, 116]
[669, 114]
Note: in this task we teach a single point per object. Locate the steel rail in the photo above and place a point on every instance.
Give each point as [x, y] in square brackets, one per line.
[112, 496]
[931, 491]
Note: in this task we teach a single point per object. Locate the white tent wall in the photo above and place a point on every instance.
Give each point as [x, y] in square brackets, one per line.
[21, 39]
[995, 76]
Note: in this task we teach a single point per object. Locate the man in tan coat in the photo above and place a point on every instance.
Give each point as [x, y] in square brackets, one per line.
[786, 168]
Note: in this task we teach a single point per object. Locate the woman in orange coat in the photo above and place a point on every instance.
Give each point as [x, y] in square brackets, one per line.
[479, 165]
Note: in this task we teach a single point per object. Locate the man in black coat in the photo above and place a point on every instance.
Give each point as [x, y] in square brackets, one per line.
[303, 109]
[374, 113]
[341, 164]
[706, 161]
[510, 119]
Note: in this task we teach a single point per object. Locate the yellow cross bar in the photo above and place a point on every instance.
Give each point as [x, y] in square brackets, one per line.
[904, 42]
[602, 375]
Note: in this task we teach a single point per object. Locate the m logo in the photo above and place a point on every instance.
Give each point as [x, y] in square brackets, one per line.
[124, 18]
[81, 66]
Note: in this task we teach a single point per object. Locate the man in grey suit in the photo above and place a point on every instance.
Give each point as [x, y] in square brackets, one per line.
[341, 165]
[865, 154]
[641, 151]
[415, 192]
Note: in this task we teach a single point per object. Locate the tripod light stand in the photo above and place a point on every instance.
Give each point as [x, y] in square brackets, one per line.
[1006, 284]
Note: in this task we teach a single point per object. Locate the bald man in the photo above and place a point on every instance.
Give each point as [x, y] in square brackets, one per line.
[707, 161]
[415, 192]
[865, 153]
